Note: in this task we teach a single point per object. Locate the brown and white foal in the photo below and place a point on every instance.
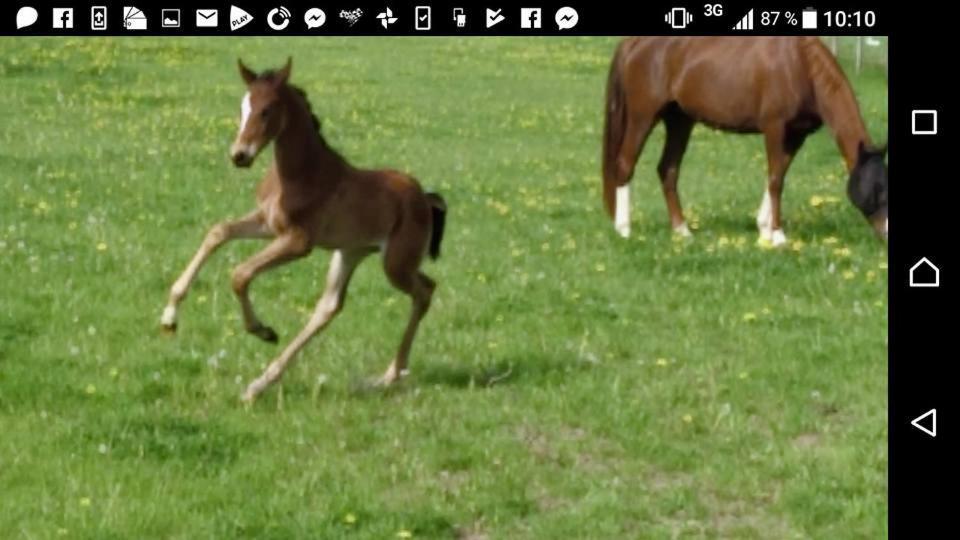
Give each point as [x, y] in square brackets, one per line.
[311, 197]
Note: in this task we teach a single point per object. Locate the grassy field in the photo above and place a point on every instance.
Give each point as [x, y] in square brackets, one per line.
[567, 383]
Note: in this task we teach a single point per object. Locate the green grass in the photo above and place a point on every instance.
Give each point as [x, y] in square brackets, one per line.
[567, 383]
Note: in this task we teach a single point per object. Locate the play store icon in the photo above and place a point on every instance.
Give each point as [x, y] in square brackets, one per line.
[239, 18]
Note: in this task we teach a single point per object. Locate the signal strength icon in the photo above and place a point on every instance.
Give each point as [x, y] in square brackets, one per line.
[746, 23]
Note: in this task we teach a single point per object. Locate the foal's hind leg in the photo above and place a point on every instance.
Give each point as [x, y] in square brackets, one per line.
[401, 264]
[679, 126]
[637, 130]
[283, 249]
[342, 265]
[249, 226]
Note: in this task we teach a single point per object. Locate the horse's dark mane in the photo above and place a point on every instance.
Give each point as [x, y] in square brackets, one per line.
[271, 74]
[303, 95]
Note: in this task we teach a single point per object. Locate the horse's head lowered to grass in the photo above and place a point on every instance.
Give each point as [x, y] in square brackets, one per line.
[262, 112]
[867, 187]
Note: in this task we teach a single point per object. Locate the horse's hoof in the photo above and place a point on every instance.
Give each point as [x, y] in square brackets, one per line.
[169, 329]
[391, 377]
[682, 231]
[265, 333]
[168, 321]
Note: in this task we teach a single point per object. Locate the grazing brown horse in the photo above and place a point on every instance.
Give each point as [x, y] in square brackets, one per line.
[782, 87]
[312, 197]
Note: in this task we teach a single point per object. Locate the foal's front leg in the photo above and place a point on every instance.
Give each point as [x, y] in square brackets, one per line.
[249, 226]
[342, 265]
[290, 246]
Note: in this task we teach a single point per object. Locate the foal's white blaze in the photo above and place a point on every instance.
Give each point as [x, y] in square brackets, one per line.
[621, 221]
[244, 111]
[764, 215]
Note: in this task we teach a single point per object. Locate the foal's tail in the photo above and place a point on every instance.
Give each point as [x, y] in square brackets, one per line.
[438, 210]
[615, 119]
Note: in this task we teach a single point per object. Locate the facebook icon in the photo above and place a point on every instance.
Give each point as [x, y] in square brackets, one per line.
[530, 18]
[63, 17]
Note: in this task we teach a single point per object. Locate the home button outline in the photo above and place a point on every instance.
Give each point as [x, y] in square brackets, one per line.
[936, 274]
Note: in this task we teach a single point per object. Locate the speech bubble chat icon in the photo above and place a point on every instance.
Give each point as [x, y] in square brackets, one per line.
[566, 18]
[314, 18]
[26, 16]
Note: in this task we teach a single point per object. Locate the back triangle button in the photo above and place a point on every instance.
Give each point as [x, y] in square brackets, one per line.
[926, 422]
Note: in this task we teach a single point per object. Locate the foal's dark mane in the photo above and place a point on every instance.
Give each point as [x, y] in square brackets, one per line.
[270, 75]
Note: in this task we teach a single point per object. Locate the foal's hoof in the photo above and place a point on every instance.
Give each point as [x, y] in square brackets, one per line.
[169, 329]
[391, 377]
[265, 333]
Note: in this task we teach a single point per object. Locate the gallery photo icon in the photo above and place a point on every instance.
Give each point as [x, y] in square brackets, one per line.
[98, 18]
[924, 122]
[170, 18]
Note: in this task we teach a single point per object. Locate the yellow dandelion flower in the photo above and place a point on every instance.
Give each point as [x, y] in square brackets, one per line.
[85, 501]
[601, 267]
[90, 389]
[849, 274]
[102, 246]
[749, 317]
[764, 243]
[202, 299]
[687, 418]
[349, 519]
[403, 533]
[882, 265]
[516, 252]
[830, 240]
[723, 241]
[842, 252]
[797, 245]
[816, 201]
[661, 362]
[871, 275]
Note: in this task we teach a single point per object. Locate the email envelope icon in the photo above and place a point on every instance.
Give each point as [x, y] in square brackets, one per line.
[207, 18]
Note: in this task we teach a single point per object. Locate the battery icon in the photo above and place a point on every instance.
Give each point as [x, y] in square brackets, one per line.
[809, 19]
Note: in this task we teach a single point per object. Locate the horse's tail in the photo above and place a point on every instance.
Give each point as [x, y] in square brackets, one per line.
[438, 211]
[615, 119]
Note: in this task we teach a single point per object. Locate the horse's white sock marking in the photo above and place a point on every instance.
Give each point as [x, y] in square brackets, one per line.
[683, 230]
[764, 214]
[778, 238]
[886, 226]
[622, 220]
[775, 238]
[244, 111]
[169, 316]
